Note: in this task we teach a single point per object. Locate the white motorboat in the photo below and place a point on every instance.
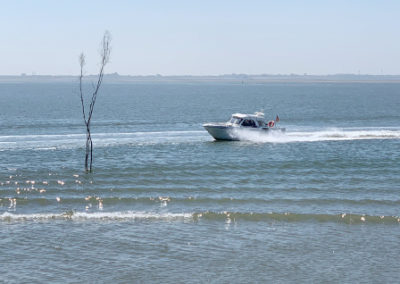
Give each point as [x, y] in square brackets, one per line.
[240, 126]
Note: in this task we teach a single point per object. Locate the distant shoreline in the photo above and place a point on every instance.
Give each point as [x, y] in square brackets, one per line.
[230, 78]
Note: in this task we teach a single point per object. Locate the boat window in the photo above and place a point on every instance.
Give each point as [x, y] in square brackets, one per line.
[261, 123]
[249, 123]
[235, 120]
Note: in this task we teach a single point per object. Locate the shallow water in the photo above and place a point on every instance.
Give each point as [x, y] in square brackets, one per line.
[167, 203]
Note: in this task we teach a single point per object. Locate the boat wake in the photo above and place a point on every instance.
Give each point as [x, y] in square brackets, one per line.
[73, 141]
[319, 135]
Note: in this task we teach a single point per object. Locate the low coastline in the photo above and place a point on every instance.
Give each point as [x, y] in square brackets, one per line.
[229, 78]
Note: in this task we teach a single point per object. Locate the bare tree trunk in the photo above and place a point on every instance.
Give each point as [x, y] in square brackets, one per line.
[105, 56]
[88, 150]
[91, 151]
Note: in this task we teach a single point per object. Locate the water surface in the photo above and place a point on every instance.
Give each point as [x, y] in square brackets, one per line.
[166, 203]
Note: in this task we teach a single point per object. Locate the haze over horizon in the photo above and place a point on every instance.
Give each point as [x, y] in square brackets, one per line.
[186, 38]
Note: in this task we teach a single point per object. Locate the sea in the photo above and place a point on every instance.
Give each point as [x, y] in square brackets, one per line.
[165, 203]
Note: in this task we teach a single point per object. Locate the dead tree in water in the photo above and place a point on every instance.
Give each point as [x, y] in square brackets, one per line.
[87, 116]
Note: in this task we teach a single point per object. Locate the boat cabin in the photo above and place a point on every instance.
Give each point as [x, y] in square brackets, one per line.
[248, 120]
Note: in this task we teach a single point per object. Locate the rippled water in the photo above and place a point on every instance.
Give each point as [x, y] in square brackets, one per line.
[166, 203]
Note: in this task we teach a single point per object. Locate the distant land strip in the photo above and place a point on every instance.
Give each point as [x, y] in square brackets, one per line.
[227, 78]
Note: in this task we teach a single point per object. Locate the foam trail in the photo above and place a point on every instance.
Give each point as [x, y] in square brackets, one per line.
[331, 134]
[71, 141]
[197, 216]
[81, 216]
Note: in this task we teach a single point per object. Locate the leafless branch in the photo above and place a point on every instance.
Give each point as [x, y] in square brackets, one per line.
[87, 117]
[82, 63]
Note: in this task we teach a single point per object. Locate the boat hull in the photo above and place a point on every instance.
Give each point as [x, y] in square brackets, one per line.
[230, 133]
[219, 132]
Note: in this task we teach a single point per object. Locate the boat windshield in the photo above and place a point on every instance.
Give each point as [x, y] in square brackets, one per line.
[235, 120]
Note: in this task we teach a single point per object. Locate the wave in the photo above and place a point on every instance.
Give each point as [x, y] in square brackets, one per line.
[46, 200]
[81, 216]
[296, 217]
[227, 217]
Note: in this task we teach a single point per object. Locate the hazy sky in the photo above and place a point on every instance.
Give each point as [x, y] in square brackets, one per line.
[202, 37]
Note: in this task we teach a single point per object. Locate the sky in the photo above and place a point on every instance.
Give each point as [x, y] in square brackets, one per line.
[201, 37]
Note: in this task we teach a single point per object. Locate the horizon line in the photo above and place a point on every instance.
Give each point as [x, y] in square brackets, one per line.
[116, 74]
